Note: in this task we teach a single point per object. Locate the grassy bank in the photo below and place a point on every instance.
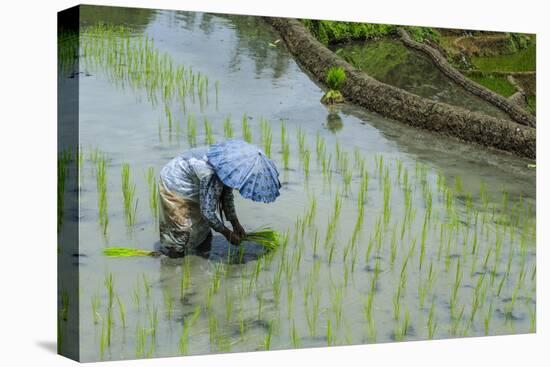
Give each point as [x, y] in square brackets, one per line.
[522, 60]
[331, 32]
[497, 83]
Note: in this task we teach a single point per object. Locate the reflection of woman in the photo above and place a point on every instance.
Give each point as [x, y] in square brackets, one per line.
[196, 192]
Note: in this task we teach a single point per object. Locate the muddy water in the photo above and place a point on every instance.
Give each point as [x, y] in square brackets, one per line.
[304, 295]
[391, 62]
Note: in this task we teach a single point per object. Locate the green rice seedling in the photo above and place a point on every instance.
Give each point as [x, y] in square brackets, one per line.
[313, 316]
[426, 286]
[122, 312]
[101, 180]
[456, 285]
[487, 318]
[96, 304]
[147, 287]
[228, 127]
[188, 323]
[289, 301]
[209, 135]
[476, 299]
[246, 131]
[122, 56]
[168, 302]
[532, 319]
[509, 306]
[110, 300]
[267, 136]
[329, 336]
[153, 324]
[301, 137]
[212, 327]
[335, 79]
[136, 297]
[130, 202]
[191, 130]
[306, 157]
[284, 136]
[103, 341]
[141, 341]
[267, 339]
[294, 337]
[387, 196]
[217, 89]
[347, 177]
[456, 320]
[337, 299]
[402, 329]
[159, 131]
[393, 246]
[286, 156]
[266, 237]
[423, 241]
[169, 118]
[153, 192]
[320, 146]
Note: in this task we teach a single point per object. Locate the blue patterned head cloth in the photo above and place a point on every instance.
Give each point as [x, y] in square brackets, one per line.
[245, 167]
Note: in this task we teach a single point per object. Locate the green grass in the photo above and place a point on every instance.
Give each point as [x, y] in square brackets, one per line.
[522, 60]
[331, 32]
[497, 83]
[532, 104]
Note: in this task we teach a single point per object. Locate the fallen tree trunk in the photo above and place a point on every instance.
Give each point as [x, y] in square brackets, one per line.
[514, 111]
[401, 105]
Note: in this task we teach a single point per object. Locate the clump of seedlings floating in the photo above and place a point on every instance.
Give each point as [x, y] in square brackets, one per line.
[335, 79]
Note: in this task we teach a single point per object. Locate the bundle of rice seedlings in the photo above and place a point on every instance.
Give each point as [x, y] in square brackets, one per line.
[126, 252]
[267, 237]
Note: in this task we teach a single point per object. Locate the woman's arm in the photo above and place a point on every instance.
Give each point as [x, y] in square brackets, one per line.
[228, 206]
[210, 193]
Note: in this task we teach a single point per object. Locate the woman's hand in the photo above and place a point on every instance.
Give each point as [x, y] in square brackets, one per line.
[231, 236]
[238, 229]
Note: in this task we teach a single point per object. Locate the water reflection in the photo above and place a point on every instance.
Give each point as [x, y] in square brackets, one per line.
[135, 18]
[334, 121]
[389, 61]
[256, 41]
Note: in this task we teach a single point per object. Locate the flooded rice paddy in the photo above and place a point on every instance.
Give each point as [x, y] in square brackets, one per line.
[390, 233]
[391, 62]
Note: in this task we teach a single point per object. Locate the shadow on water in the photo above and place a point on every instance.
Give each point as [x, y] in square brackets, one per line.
[219, 250]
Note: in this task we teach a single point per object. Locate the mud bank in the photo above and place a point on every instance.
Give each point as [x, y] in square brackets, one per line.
[398, 104]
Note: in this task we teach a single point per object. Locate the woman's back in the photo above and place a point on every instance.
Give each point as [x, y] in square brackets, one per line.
[182, 173]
